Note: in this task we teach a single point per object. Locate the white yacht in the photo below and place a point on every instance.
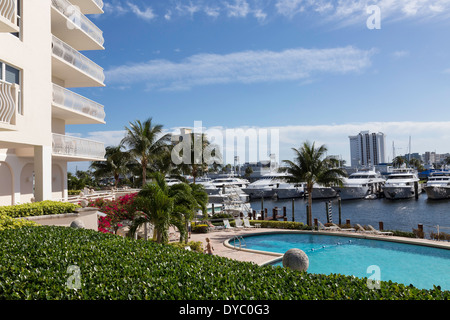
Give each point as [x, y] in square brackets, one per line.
[438, 185]
[209, 186]
[323, 192]
[264, 187]
[360, 185]
[230, 181]
[401, 184]
[286, 190]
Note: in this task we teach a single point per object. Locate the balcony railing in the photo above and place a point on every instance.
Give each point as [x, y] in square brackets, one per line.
[8, 14]
[76, 59]
[73, 14]
[73, 147]
[9, 98]
[71, 100]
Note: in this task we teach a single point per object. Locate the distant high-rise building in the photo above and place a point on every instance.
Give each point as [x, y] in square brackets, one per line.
[367, 149]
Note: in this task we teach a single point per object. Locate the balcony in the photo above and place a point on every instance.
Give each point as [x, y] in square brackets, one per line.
[75, 109]
[73, 68]
[9, 99]
[75, 149]
[8, 16]
[89, 6]
[70, 25]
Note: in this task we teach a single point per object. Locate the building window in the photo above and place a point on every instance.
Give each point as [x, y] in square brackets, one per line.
[10, 74]
[19, 18]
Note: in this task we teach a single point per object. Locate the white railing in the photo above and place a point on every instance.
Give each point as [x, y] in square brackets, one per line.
[99, 3]
[78, 19]
[73, 57]
[75, 147]
[75, 102]
[8, 101]
[8, 10]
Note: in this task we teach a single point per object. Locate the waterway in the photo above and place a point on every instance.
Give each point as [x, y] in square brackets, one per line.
[403, 215]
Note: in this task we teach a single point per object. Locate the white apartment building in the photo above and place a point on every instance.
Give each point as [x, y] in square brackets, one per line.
[367, 149]
[41, 44]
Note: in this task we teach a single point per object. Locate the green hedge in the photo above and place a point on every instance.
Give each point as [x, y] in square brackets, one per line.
[281, 224]
[37, 209]
[38, 262]
[13, 223]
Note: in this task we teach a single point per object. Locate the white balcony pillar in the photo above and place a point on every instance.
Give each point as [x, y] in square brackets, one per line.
[42, 173]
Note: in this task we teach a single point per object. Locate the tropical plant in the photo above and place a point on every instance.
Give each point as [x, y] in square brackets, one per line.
[188, 199]
[146, 142]
[398, 161]
[309, 167]
[201, 154]
[154, 205]
[117, 163]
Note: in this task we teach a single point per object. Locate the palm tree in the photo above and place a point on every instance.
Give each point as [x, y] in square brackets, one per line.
[156, 207]
[187, 200]
[199, 146]
[116, 164]
[308, 166]
[398, 161]
[145, 142]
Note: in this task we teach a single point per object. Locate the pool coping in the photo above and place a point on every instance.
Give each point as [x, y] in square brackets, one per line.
[279, 256]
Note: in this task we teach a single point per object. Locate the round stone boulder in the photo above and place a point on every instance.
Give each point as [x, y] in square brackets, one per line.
[77, 224]
[296, 259]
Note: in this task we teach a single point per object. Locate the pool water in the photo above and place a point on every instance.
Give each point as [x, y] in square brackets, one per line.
[418, 265]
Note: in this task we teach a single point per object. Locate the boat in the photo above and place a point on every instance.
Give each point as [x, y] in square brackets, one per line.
[210, 187]
[286, 190]
[230, 181]
[264, 187]
[365, 184]
[402, 183]
[438, 185]
[323, 192]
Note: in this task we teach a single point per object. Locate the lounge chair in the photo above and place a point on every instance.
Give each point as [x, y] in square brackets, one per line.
[227, 225]
[238, 222]
[384, 233]
[213, 227]
[322, 227]
[342, 229]
[247, 223]
[361, 229]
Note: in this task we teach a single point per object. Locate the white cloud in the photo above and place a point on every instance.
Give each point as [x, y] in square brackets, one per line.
[400, 54]
[347, 12]
[117, 8]
[242, 67]
[240, 8]
[146, 14]
[425, 136]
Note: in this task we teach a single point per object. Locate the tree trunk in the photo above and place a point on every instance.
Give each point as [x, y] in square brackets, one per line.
[310, 189]
[144, 174]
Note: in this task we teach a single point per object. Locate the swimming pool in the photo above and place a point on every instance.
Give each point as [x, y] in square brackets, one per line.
[418, 265]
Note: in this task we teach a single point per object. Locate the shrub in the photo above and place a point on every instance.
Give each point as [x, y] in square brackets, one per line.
[115, 210]
[200, 228]
[13, 223]
[196, 246]
[281, 224]
[38, 209]
[35, 264]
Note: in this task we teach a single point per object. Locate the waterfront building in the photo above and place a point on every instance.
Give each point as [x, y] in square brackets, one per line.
[367, 149]
[41, 44]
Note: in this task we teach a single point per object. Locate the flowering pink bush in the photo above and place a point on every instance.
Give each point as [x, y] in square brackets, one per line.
[115, 210]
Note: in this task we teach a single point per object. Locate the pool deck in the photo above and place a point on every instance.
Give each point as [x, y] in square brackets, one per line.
[219, 240]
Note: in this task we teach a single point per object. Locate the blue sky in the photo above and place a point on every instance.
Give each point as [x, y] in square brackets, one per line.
[312, 69]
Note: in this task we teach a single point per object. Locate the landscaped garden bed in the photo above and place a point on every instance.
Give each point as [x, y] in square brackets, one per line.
[37, 263]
